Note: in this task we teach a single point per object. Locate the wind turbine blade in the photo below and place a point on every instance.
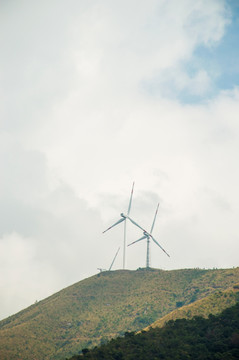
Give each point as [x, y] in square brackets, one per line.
[159, 245]
[130, 201]
[118, 222]
[133, 222]
[143, 237]
[114, 259]
[154, 219]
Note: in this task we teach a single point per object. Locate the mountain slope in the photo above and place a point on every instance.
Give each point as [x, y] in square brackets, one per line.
[104, 306]
[197, 339]
[212, 304]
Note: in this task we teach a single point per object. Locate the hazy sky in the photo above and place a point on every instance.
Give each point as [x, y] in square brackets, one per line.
[96, 95]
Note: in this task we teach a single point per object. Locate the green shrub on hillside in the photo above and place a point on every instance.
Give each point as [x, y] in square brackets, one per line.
[214, 338]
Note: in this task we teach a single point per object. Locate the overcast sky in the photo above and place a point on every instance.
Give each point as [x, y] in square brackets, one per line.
[98, 94]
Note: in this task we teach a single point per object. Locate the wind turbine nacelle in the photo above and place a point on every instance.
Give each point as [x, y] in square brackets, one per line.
[122, 215]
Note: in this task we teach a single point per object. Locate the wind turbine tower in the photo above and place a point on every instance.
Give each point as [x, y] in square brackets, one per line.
[123, 219]
[148, 236]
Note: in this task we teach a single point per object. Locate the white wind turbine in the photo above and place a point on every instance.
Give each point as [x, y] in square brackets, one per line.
[148, 236]
[101, 270]
[123, 218]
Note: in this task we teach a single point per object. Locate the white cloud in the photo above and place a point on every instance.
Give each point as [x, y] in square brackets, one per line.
[24, 279]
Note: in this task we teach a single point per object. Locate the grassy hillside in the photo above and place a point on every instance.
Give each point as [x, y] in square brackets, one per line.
[104, 306]
[197, 339]
[212, 304]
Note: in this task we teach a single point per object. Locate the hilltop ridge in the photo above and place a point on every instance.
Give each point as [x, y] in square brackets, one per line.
[104, 306]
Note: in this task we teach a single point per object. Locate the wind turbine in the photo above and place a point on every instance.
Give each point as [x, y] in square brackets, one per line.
[123, 218]
[148, 236]
[101, 270]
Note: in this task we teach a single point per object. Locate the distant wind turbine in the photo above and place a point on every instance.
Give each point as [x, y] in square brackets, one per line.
[148, 236]
[111, 263]
[123, 218]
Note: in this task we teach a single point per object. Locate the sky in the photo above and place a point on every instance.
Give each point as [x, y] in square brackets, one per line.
[93, 96]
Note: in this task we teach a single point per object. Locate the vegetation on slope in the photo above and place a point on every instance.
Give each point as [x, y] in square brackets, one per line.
[199, 339]
[210, 305]
[104, 306]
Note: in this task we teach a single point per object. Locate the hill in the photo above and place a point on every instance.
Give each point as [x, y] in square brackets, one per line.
[104, 306]
[211, 305]
[214, 338]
